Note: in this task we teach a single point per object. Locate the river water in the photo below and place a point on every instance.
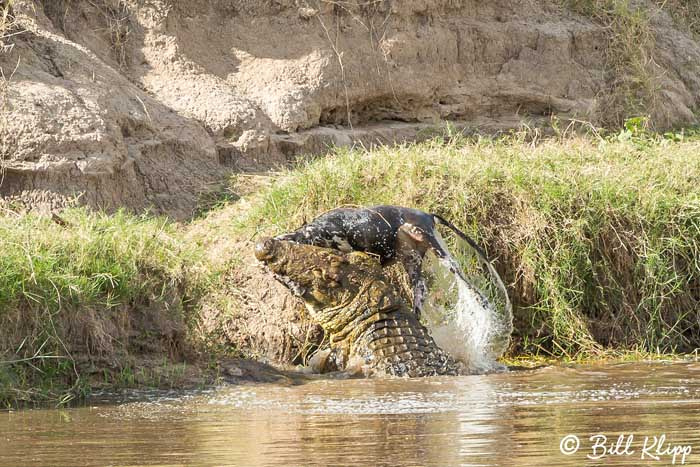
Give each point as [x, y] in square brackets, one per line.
[515, 419]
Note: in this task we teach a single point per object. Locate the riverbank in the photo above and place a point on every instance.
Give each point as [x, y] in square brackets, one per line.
[144, 104]
[596, 237]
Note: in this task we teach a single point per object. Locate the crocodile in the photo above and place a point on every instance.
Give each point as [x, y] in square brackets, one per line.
[362, 313]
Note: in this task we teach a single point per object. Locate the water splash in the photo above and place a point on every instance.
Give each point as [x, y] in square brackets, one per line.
[467, 316]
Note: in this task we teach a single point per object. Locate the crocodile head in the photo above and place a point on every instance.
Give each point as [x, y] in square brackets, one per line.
[362, 312]
[320, 276]
[328, 280]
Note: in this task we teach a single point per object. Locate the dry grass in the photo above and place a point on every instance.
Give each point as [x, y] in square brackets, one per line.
[633, 75]
[118, 17]
[7, 25]
[374, 16]
[686, 13]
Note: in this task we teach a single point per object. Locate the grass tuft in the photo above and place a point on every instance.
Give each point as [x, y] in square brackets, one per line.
[66, 283]
[686, 13]
[633, 75]
[7, 25]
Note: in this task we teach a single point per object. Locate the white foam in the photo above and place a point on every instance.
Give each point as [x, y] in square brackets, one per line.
[462, 320]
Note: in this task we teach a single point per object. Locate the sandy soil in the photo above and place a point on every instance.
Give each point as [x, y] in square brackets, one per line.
[149, 103]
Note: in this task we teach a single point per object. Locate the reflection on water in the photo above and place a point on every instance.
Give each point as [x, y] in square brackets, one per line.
[516, 418]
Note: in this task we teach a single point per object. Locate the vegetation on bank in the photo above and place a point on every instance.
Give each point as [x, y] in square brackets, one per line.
[634, 74]
[98, 284]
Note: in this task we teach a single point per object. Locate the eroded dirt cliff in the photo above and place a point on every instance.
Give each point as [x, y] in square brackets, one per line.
[149, 103]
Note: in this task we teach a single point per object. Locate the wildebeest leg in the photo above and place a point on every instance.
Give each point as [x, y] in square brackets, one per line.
[414, 269]
[411, 246]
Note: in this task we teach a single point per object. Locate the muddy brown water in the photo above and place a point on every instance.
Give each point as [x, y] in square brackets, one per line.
[515, 419]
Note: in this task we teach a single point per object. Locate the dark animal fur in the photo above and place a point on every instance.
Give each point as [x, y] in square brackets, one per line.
[391, 232]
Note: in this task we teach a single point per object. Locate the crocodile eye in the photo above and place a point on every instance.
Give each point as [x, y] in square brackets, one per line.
[333, 274]
[338, 261]
[319, 296]
[264, 248]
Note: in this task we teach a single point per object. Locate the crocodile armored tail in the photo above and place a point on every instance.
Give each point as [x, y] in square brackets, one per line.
[360, 310]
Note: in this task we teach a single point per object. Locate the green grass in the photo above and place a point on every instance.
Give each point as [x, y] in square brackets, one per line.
[95, 260]
[599, 238]
[66, 286]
